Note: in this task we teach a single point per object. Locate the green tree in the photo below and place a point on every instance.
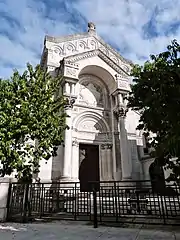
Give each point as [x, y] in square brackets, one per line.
[32, 121]
[156, 96]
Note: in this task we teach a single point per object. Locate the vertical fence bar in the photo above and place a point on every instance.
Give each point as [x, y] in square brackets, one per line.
[95, 206]
[25, 202]
[163, 211]
[75, 202]
[116, 205]
[41, 186]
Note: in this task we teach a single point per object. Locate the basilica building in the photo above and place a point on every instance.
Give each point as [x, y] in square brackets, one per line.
[102, 143]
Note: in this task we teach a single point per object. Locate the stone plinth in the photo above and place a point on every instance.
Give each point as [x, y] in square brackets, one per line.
[4, 188]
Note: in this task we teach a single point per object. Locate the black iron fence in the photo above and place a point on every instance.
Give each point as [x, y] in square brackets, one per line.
[118, 202]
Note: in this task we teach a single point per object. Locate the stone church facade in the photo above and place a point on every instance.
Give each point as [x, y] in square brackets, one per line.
[102, 141]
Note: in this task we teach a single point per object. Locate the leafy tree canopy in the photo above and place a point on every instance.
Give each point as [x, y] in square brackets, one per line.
[32, 121]
[156, 96]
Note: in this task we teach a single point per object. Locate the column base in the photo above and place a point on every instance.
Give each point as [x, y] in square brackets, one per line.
[127, 179]
[68, 179]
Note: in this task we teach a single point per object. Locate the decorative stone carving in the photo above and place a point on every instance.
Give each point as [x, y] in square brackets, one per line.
[90, 94]
[120, 112]
[90, 126]
[82, 45]
[70, 47]
[103, 146]
[109, 146]
[70, 64]
[91, 26]
[57, 50]
[70, 69]
[106, 146]
[122, 82]
[69, 103]
[104, 55]
[71, 72]
[75, 143]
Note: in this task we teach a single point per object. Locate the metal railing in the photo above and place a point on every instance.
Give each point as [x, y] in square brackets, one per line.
[119, 202]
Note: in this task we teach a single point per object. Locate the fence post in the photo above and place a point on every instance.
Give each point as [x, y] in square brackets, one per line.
[95, 206]
[75, 207]
[116, 204]
[41, 186]
[163, 211]
[25, 202]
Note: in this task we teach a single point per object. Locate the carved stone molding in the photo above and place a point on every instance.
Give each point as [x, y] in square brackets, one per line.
[103, 146]
[69, 69]
[109, 146]
[112, 62]
[106, 146]
[122, 82]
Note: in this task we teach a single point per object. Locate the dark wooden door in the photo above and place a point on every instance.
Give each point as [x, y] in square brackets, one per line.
[89, 167]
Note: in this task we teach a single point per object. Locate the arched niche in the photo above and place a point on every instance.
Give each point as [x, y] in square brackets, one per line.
[90, 121]
[92, 92]
[100, 72]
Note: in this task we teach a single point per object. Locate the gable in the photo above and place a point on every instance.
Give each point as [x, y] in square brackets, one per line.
[55, 49]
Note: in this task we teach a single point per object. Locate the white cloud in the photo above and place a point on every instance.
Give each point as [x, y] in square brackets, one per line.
[122, 23]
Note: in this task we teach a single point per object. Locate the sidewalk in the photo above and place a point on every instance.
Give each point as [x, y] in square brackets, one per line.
[64, 230]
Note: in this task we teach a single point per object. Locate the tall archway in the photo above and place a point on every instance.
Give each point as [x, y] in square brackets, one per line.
[89, 128]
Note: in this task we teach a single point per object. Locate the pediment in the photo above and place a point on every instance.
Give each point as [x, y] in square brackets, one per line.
[100, 54]
[80, 46]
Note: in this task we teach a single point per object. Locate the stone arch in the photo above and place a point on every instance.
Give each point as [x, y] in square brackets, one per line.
[100, 72]
[94, 119]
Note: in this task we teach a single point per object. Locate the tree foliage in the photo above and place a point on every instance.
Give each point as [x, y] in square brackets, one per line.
[32, 121]
[156, 96]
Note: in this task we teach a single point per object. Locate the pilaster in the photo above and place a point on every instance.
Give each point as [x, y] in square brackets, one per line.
[75, 160]
[120, 110]
[70, 78]
[106, 162]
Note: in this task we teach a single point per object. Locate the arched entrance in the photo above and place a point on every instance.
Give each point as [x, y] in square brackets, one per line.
[89, 167]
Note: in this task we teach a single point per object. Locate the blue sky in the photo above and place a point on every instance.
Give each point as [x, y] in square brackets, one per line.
[136, 28]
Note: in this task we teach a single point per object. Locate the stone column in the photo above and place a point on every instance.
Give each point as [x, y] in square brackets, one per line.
[103, 168]
[75, 160]
[124, 145]
[66, 174]
[109, 162]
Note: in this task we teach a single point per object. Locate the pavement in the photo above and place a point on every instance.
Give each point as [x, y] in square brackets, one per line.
[64, 230]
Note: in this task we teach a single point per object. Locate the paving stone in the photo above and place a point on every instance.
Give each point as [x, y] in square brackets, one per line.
[81, 231]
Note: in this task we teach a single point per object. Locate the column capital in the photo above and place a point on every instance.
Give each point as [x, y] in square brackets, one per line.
[109, 146]
[103, 146]
[69, 102]
[75, 143]
[120, 111]
[106, 146]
